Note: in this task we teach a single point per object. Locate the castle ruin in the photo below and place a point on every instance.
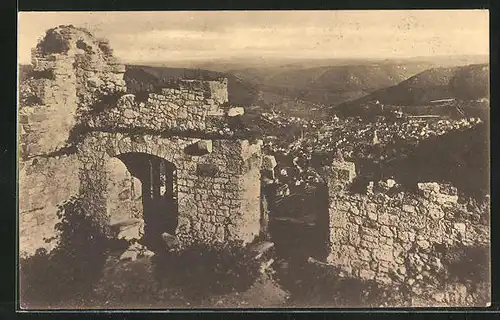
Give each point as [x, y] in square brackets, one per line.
[169, 160]
[172, 162]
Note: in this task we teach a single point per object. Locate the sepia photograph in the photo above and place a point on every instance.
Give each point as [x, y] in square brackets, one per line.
[253, 159]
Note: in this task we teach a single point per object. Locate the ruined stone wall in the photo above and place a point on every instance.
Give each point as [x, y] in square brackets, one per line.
[44, 183]
[214, 201]
[49, 111]
[186, 108]
[71, 72]
[248, 223]
[219, 91]
[76, 83]
[215, 89]
[124, 193]
[398, 238]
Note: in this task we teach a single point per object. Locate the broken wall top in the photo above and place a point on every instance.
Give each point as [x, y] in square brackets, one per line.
[76, 81]
[71, 71]
[194, 108]
[69, 42]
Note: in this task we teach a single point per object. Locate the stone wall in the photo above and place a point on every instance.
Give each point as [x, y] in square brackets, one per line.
[217, 199]
[215, 90]
[76, 53]
[186, 108]
[44, 183]
[71, 72]
[76, 118]
[124, 193]
[397, 237]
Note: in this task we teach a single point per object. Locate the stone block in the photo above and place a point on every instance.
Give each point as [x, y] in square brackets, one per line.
[204, 146]
[129, 255]
[387, 241]
[409, 208]
[386, 231]
[364, 254]
[182, 114]
[384, 253]
[445, 198]
[372, 215]
[131, 232]
[236, 111]
[368, 242]
[430, 187]
[383, 218]
[460, 227]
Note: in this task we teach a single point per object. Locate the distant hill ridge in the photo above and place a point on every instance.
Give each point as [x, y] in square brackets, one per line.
[288, 88]
[469, 82]
[328, 85]
[337, 78]
[300, 91]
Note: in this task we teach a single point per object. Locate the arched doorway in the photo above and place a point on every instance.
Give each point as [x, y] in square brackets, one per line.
[159, 194]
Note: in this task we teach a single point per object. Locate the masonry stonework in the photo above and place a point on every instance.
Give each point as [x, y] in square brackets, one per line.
[44, 184]
[396, 238]
[188, 107]
[76, 120]
[124, 193]
[219, 207]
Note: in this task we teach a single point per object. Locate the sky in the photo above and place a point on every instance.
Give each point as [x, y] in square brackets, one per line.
[204, 35]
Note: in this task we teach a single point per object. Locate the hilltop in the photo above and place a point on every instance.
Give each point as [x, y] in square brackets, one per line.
[328, 85]
[466, 83]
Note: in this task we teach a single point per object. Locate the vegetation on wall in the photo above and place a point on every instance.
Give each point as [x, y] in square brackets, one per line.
[69, 271]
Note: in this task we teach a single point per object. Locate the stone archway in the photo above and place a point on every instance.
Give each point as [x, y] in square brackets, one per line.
[218, 191]
[153, 181]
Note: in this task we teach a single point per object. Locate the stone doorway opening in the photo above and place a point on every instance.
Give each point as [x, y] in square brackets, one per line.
[299, 224]
[158, 178]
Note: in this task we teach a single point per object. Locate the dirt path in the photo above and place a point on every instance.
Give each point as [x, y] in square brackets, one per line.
[264, 293]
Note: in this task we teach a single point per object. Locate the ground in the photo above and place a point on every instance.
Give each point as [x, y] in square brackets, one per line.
[132, 285]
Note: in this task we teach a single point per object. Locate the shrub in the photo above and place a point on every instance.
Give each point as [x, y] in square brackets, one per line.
[202, 269]
[69, 272]
[310, 284]
[468, 265]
